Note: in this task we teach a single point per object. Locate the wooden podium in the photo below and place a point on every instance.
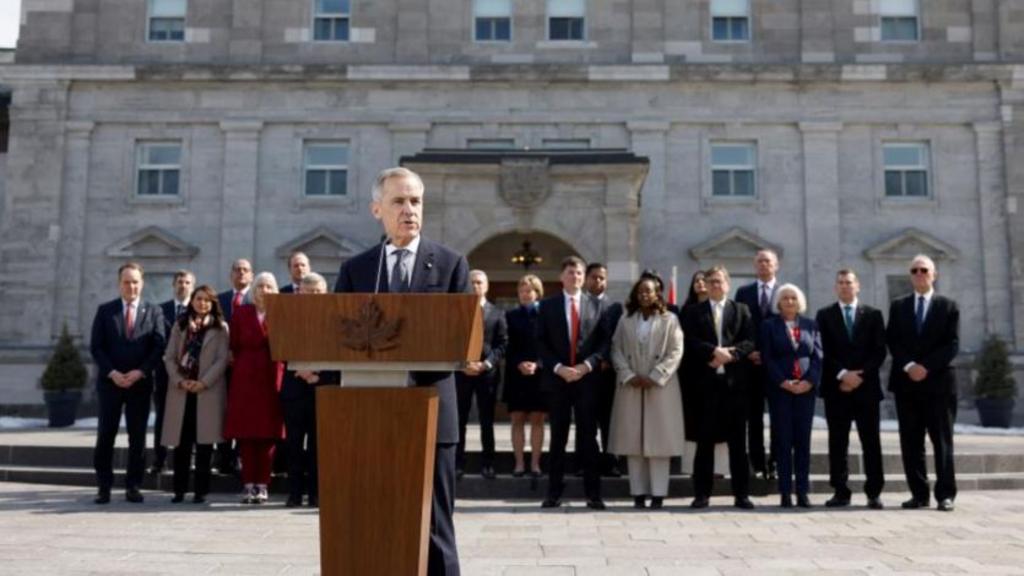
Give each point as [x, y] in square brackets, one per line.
[376, 434]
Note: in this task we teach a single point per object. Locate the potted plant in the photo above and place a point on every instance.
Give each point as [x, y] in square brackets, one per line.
[62, 382]
[994, 386]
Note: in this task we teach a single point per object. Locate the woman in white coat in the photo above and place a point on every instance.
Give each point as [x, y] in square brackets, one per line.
[647, 415]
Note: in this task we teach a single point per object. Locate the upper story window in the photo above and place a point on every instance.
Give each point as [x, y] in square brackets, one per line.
[490, 143]
[331, 20]
[566, 19]
[166, 20]
[733, 169]
[325, 170]
[899, 20]
[492, 20]
[158, 168]
[906, 170]
[730, 20]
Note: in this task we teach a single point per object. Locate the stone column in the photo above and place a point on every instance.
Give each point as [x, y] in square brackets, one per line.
[67, 277]
[822, 223]
[241, 182]
[1013, 152]
[649, 141]
[992, 221]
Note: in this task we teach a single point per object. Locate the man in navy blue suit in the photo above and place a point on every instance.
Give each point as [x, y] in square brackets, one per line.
[127, 344]
[408, 262]
[184, 283]
[298, 268]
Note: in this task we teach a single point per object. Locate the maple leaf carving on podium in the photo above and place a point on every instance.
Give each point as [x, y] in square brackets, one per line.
[370, 332]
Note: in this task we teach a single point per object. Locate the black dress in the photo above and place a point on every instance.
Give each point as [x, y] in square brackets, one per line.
[522, 393]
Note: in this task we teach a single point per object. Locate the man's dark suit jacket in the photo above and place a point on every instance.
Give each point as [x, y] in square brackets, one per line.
[112, 350]
[437, 270]
[495, 340]
[701, 340]
[748, 296]
[935, 348]
[553, 336]
[167, 308]
[866, 351]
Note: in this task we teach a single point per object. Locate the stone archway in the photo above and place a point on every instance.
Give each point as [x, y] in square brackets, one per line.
[494, 256]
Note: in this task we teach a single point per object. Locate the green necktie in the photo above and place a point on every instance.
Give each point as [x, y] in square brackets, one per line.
[848, 314]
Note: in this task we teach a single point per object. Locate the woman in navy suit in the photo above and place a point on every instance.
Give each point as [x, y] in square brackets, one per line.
[522, 379]
[791, 350]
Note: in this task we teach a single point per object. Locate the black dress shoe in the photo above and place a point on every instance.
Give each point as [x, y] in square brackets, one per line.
[596, 504]
[156, 469]
[914, 504]
[293, 502]
[536, 473]
[551, 503]
[488, 472]
[837, 501]
[178, 499]
[639, 502]
[946, 505]
[518, 473]
[134, 496]
[313, 502]
[743, 503]
[875, 503]
[657, 503]
[786, 501]
[802, 501]
[102, 497]
[613, 472]
[699, 502]
[199, 499]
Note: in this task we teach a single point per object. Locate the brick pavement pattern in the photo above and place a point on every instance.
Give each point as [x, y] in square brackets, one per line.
[54, 530]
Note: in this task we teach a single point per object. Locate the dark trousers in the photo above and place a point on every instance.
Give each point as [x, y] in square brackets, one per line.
[723, 408]
[485, 389]
[159, 401]
[300, 435]
[922, 411]
[566, 401]
[755, 428]
[840, 411]
[134, 402]
[792, 416]
[442, 553]
[605, 398]
[183, 453]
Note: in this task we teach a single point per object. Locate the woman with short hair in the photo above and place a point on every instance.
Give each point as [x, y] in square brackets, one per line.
[522, 379]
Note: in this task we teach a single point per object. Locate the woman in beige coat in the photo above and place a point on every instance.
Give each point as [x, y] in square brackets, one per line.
[196, 358]
[647, 415]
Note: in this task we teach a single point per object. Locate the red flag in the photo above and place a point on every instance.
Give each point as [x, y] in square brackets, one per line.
[672, 288]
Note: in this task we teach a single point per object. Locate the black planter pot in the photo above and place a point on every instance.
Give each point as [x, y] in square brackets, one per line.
[995, 412]
[62, 407]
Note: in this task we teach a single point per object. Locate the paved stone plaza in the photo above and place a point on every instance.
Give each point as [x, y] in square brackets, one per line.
[57, 530]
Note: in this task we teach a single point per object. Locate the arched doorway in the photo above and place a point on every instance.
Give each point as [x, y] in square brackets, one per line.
[494, 256]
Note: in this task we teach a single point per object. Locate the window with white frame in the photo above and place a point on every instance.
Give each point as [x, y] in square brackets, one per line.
[331, 20]
[158, 172]
[166, 20]
[906, 169]
[492, 20]
[325, 169]
[730, 20]
[566, 143]
[490, 143]
[733, 169]
[566, 19]
[899, 20]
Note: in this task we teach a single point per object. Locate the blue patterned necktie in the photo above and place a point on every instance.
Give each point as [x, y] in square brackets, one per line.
[399, 273]
[919, 314]
[848, 314]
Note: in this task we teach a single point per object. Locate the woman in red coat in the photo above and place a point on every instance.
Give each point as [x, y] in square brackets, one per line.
[254, 411]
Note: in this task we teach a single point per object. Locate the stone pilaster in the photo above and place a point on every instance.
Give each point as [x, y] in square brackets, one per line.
[822, 223]
[1013, 152]
[67, 279]
[412, 37]
[241, 176]
[992, 223]
[648, 140]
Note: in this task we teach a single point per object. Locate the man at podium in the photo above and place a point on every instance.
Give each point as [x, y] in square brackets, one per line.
[408, 262]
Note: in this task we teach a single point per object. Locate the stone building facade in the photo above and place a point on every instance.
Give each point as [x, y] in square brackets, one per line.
[641, 133]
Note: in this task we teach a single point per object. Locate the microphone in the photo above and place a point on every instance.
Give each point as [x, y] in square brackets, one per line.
[380, 266]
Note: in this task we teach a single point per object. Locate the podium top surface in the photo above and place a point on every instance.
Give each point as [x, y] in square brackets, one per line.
[370, 328]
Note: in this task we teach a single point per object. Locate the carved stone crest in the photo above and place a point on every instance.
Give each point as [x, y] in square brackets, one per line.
[524, 181]
[370, 332]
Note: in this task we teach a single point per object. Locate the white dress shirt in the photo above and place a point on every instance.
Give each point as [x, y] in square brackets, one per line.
[927, 306]
[853, 315]
[718, 309]
[569, 299]
[410, 258]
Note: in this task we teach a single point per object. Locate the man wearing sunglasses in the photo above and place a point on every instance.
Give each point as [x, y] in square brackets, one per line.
[924, 337]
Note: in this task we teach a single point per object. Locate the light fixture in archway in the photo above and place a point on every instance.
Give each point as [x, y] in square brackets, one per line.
[526, 256]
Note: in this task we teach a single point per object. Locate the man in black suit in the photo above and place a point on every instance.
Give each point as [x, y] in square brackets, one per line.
[924, 338]
[572, 341]
[408, 262]
[853, 342]
[596, 285]
[241, 282]
[482, 378]
[127, 344]
[298, 268]
[719, 335]
[184, 283]
[757, 297]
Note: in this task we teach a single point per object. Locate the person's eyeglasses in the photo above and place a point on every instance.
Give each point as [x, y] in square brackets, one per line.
[919, 270]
